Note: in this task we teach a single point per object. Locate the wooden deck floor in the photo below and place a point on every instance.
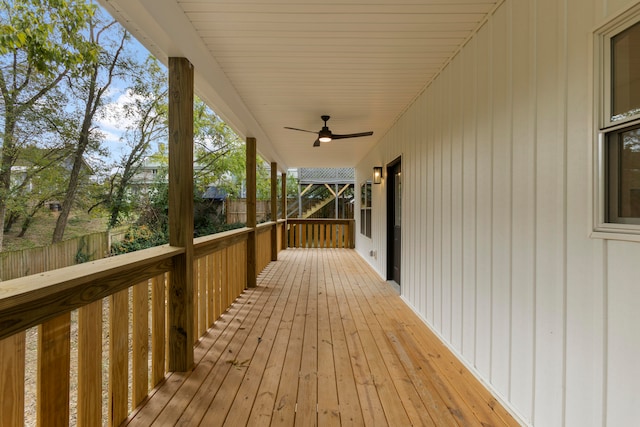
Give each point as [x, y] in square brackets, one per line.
[321, 341]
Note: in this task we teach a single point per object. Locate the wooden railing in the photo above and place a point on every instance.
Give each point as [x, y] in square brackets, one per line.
[321, 233]
[263, 245]
[281, 235]
[131, 290]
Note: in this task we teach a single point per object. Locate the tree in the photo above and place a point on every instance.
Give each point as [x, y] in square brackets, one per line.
[220, 156]
[218, 151]
[42, 178]
[147, 112]
[41, 42]
[92, 90]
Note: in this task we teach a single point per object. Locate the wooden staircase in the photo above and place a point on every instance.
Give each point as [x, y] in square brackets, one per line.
[319, 205]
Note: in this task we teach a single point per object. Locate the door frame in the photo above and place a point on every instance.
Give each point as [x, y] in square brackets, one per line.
[390, 182]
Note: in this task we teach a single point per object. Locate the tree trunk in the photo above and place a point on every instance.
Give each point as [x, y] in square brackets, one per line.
[13, 218]
[29, 218]
[78, 155]
[94, 96]
[8, 158]
[74, 180]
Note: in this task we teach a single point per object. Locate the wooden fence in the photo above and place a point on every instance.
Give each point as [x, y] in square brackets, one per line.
[236, 210]
[38, 260]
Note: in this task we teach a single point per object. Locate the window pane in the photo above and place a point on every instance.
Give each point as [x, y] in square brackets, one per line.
[629, 174]
[625, 52]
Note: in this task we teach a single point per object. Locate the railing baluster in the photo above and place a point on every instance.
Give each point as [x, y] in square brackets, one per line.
[314, 233]
[158, 332]
[195, 301]
[211, 315]
[12, 364]
[332, 234]
[54, 344]
[225, 280]
[140, 353]
[217, 283]
[118, 357]
[168, 277]
[240, 287]
[243, 258]
[90, 365]
[236, 272]
[202, 294]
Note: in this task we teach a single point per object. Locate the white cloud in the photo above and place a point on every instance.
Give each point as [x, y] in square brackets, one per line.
[114, 121]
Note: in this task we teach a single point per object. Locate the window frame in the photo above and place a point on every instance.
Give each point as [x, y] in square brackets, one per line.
[605, 224]
[366, 208]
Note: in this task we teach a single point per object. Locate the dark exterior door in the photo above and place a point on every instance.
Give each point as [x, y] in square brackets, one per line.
[394, 220]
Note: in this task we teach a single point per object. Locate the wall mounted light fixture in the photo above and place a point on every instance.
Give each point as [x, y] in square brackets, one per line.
[377, 174]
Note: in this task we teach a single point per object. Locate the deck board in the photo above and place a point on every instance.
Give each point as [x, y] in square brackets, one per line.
[321, 340]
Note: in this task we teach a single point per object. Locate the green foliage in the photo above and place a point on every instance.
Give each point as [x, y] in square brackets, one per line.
[292, 186]
[47, 34]
[41, 43]
[218, 152]
[147, 111]
[139, 237]
[83, 255]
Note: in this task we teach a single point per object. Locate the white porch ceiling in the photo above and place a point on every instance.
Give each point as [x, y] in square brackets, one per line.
[266, 64]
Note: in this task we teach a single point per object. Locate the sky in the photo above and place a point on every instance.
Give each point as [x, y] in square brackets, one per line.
[113, 124]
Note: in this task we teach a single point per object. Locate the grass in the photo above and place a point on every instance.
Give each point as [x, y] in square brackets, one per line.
[39, 234]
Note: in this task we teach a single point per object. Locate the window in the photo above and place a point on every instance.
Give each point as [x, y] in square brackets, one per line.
[365, 209]
[618, 86]
[623, 175]
[625, 74]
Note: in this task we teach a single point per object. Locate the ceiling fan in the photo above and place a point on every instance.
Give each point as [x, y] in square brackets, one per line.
[325, 135]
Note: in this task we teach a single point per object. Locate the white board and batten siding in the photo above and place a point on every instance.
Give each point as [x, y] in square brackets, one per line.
[497, 207]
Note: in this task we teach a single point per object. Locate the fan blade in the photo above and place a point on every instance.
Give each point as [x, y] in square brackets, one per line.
[316, 143]
[351, 135]
[301, 130]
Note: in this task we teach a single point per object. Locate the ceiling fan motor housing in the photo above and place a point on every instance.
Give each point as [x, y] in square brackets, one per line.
[324, 133]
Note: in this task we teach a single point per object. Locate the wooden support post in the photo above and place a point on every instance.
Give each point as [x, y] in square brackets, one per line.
[300, 199]
[337, 204]
[284, 209]
[180, 302]
[252, 272]
[274, 211]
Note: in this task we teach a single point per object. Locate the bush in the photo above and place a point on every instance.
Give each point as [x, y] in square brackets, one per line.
[142, 237]
[139, 237]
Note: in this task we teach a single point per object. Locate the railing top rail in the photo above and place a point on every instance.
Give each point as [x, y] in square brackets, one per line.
[267, 224]
[207, 244]
[28, 301]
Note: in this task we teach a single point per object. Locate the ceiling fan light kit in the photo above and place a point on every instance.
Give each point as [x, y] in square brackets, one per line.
[325, 134]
